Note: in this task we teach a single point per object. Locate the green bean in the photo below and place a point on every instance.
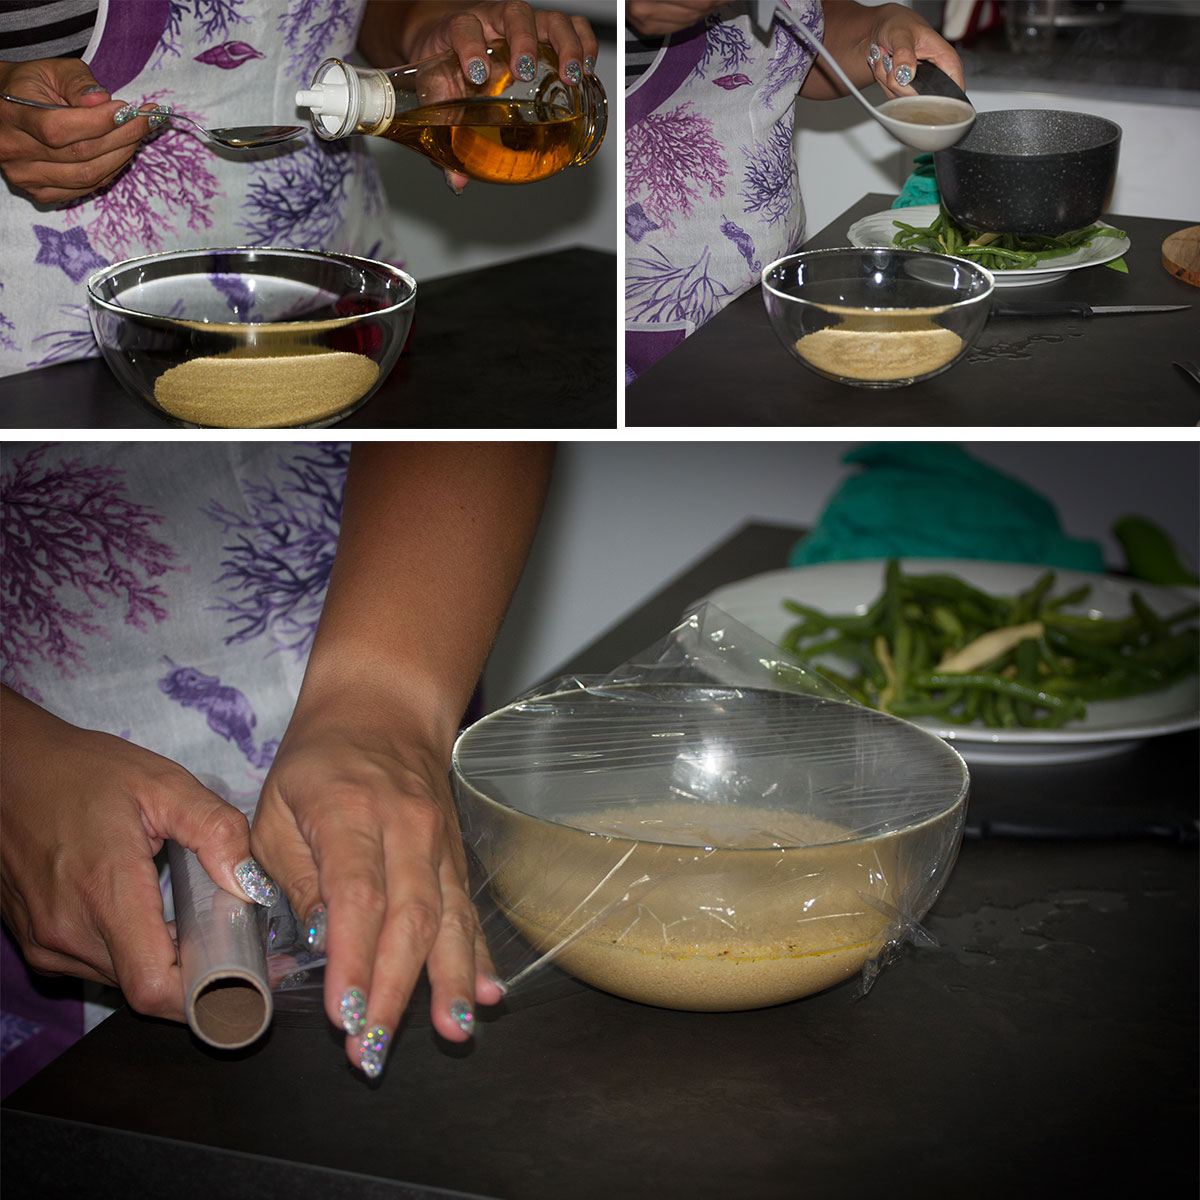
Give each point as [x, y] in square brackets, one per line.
[1027, 657]
[1068, 599]
[997, 686]
[1028, 602]
[1091, 629]
[934, 705]
[1153, 623]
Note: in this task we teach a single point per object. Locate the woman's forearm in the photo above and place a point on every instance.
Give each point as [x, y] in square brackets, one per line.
[847, 37]
[392, 29]
[433, 540]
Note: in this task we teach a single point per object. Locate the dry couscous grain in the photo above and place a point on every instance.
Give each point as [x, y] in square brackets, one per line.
[877, 355]
[224, 391]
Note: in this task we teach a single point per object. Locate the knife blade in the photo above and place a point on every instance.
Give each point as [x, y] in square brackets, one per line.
[1073, 308]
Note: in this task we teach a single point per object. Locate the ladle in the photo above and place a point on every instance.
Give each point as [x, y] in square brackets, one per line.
[237, 137]
[920, 135]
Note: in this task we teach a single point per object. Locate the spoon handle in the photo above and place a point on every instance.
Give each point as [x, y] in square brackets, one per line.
[30, 103]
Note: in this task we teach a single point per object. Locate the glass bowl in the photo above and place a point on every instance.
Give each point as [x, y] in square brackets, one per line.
[708, 848]
[876, 317]
[251, 338]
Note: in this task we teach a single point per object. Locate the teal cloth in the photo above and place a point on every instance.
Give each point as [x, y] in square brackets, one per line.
[921, 186]
[934, 500]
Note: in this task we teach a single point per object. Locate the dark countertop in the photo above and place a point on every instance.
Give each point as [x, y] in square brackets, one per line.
[528, 344]
[1155, 54]
[1047, 1045]
[734, 371]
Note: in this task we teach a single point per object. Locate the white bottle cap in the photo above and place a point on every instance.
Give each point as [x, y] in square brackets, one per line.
[328, 99]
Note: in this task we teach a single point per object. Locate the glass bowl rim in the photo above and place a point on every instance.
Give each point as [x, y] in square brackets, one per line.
[113, 269]
[959, 801]
[964, 302]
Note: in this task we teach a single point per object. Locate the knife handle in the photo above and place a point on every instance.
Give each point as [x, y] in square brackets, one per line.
[1039, 308]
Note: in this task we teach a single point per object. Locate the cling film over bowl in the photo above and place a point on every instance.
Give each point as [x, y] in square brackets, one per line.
[710, 826]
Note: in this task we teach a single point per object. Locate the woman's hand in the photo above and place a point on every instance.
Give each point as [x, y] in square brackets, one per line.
[878, 44]
[657, 18]
[57, 155]
[393, 33]
[84, 814]
[356, 820]
[420, 30]
[357, 817]
[902, 39]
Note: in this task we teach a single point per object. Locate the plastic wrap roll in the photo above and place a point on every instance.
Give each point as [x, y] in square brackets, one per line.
[222, 953]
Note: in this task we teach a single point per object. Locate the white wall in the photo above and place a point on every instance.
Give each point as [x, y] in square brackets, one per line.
[440, 233]
[625, 517]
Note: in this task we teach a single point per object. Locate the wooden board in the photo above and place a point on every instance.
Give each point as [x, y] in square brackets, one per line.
[1181, 255]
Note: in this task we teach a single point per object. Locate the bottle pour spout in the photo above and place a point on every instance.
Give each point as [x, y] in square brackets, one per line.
[325, 100]
[343, 100]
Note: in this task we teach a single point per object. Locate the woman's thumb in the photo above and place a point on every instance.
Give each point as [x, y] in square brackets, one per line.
[78, 86]
[219, 836]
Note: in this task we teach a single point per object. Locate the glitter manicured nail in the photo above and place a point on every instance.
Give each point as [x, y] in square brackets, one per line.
[873, 54]
[256, 883]
[477, 71]
[887, 64]
[159, 116]
[125, 113]
[353, 1009]
[590, 64]
[904, 74]
[314, 929]
[463, 1015]
[525, 67]
[572, 72]
[374, 1051]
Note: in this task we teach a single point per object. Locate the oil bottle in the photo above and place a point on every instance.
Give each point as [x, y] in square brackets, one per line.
[505, 130]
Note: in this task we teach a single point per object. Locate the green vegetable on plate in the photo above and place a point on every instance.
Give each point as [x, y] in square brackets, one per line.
[995, 251]
[935, 646]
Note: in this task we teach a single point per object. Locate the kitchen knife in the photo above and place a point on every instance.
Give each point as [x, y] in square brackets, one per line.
[1072, 308]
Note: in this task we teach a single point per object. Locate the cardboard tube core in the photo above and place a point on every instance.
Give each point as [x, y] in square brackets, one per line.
[230, 1011]
[222, 954]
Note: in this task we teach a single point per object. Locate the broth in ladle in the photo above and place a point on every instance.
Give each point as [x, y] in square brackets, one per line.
[927, 110]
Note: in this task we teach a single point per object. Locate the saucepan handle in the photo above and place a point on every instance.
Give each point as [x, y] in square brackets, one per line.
[931, 80]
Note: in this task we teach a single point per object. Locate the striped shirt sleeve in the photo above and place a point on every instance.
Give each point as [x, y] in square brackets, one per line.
[45, 28]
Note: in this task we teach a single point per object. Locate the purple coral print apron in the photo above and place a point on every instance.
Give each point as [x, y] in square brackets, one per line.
[222, 62]
[167, 594]
[711, 188]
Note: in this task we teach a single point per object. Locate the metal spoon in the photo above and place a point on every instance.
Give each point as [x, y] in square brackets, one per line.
[916, 133]
[237, 137]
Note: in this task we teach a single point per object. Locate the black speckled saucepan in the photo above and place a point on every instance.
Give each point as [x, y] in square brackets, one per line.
[1030, 171]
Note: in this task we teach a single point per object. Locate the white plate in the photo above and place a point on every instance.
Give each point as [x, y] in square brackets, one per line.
[1109, 727]
[879, 229]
